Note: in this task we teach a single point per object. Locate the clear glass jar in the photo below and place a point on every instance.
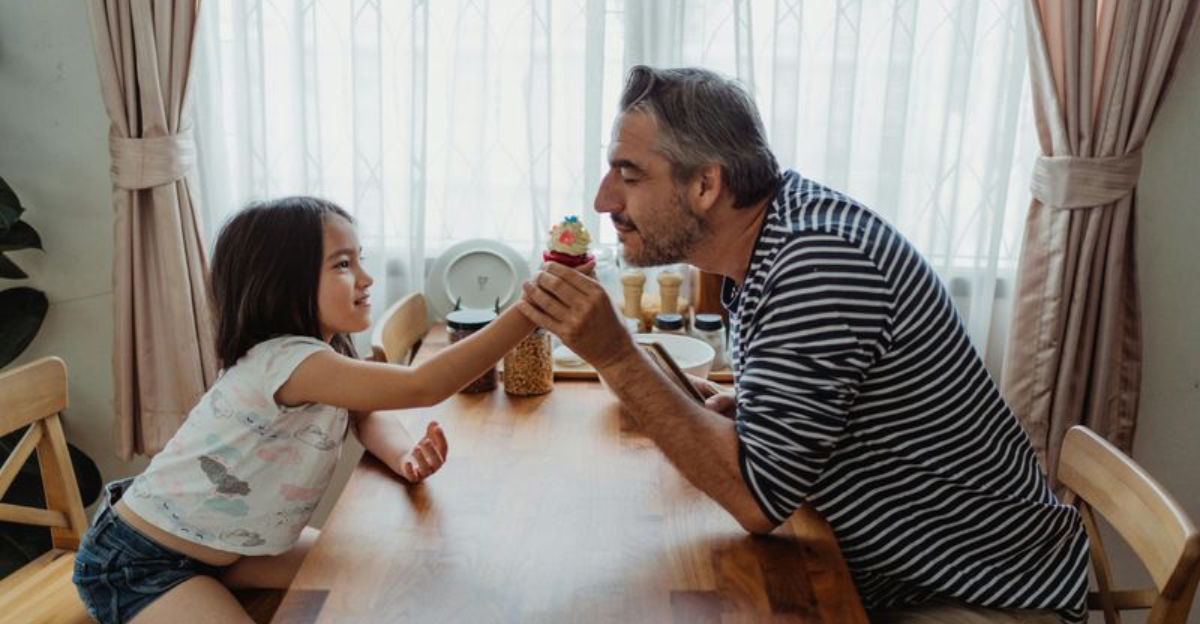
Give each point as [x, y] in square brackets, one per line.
[711, 329]
[463, 323]
[607, 273]
[529, 367]
[668, 323]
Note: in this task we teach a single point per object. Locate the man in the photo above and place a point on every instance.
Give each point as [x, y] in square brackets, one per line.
[857, 390]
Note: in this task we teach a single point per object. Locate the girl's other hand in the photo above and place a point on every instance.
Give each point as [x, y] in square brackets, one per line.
[426, 456]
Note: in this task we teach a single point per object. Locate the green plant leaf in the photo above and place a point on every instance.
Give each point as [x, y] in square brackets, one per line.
[20, 236]
[22, 311]
[10, 206]
[9, 269]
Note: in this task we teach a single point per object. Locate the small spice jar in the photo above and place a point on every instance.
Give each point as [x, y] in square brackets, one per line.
[463, 323]
[529, 367]
[668, 323]
[710, 329]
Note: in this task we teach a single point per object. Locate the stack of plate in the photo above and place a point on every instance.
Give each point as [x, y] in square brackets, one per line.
[477, 272]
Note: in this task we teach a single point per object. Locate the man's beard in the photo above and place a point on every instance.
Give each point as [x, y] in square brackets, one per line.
[681, 231]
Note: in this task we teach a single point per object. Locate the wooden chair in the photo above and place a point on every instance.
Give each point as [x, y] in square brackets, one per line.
[1159, 532]
[398, 334]
[42, 591]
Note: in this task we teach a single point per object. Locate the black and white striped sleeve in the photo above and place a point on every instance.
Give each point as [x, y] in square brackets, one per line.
[821, 322]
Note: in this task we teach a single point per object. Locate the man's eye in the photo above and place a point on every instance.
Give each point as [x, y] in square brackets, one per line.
[629, 180]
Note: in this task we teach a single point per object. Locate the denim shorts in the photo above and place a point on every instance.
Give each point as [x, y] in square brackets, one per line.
[119, 571]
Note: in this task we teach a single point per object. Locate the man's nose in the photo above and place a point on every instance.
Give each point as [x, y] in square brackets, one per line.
[608, 196]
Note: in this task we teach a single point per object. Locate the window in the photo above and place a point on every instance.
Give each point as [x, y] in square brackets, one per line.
[435, 122]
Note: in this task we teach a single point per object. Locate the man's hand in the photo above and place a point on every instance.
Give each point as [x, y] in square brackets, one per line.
[575, 308]
[426, 456]
[705, 387]
[717, 398]
[724, 404]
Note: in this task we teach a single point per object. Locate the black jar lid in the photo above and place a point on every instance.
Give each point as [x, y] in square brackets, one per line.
[708, 322]
[668, 321]
[469, 319]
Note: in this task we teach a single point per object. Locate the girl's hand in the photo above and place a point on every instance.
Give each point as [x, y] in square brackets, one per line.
[587, 268]
[426, 456]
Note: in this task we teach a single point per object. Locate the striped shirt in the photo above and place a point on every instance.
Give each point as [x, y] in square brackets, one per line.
[859, 393]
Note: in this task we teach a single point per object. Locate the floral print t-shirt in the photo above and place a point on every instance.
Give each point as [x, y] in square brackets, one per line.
[244, 474]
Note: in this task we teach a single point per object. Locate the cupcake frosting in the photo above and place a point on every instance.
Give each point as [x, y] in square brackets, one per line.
[570, 237]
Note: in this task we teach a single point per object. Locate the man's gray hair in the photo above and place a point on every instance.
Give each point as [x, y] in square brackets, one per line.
[704, 118]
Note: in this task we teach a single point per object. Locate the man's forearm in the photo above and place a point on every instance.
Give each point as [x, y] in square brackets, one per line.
[702, 444]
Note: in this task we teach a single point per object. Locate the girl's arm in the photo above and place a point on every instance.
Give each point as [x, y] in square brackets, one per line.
[333, 379]
[385, 437]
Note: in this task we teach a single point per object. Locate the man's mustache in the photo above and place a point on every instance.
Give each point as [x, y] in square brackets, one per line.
[623, 222]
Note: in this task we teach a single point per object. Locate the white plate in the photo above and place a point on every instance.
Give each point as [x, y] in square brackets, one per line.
[480, 271]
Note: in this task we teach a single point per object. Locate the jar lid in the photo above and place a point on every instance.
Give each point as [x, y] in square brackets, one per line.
[469, 318]
[708, 322]
[668, 321]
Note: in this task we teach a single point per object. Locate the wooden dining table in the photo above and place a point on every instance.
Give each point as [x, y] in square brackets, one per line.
[554, 508]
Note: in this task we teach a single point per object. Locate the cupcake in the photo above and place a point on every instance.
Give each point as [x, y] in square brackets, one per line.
[569, 242]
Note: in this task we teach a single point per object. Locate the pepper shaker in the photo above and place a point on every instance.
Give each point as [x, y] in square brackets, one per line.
[633, 282]
[668, 292]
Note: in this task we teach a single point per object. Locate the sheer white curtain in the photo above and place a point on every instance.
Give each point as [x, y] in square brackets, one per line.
[435, 122]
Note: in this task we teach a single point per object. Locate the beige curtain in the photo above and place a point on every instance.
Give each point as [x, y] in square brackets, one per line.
[163, 357]
[1099, 71]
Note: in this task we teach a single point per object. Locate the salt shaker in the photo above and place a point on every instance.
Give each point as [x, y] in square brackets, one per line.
[668, 291]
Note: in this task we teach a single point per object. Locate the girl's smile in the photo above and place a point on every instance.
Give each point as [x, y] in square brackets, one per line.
[343, 300]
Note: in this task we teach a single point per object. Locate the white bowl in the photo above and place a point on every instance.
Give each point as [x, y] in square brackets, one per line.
[694, 356]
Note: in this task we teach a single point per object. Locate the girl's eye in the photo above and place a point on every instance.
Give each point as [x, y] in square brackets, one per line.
[344, 264]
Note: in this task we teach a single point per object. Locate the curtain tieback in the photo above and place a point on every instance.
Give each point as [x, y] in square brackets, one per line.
[150, 162]
[1078, 182]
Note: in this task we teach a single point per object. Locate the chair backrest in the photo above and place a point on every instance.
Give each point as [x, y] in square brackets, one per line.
[1150, 521]
[33, 395]
[400, 330]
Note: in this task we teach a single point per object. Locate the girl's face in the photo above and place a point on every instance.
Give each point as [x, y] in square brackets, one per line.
[342, 297]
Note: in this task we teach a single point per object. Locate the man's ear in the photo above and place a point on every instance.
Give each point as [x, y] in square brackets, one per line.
[707, 187]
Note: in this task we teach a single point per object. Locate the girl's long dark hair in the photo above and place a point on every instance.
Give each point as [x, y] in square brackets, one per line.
[265, 271]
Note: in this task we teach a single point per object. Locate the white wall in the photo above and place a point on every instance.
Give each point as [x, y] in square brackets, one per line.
[54, 153]
[1168, 239]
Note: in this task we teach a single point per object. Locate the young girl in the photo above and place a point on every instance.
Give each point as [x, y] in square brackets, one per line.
[225, 504]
